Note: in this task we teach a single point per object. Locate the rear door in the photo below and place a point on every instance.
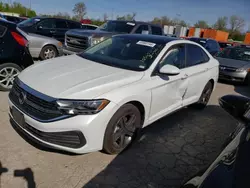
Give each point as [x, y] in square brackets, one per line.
[61, 28]
[197, 70]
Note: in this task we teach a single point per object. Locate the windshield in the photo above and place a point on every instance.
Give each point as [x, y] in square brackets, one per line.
[202, 42]
[117, 26]
[28, 22]
[242, 54]
[124, 52]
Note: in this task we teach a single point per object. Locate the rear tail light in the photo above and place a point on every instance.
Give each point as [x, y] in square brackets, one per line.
[20, 39]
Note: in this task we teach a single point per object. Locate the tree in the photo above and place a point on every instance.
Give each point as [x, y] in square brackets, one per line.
[17, 8]
[201, 24]
[105, 17]
[164, 20]
[79, 10]
[221, 23]
[236, 24]
[129, 17]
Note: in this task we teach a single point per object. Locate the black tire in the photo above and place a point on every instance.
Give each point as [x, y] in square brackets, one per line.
[112, 143]
[204, 98]
[6, 75]
[48, 49]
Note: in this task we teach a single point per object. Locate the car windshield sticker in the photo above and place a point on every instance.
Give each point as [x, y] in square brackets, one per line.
[144, 43]
[202, 41]
[130, 23]
[37, 20]
[247, 53]
[142, 67]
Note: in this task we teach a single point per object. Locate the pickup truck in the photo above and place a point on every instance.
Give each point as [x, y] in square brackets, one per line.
[77, 40]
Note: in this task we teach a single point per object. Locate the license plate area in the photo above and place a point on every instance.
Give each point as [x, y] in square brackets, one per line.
[18, 117]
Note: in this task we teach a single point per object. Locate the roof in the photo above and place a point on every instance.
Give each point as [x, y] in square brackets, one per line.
[199, 38]
[149, 38]
[136, 22]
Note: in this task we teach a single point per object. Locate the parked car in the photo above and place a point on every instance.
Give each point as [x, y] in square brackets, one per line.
[43, 47]
[227, 44]
[89, 26]
[14, 19]
[101, 98]
[79, 40]
[50, 27]
[211, 45]
[231, 168]
[234, 64]
[14, 57]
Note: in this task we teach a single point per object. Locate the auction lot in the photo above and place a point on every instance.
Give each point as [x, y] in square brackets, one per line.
[167, 153]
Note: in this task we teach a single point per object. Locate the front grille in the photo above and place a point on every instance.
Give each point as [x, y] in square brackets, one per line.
[228, 69]
[77, 42]
[71, 139]
[34, 106]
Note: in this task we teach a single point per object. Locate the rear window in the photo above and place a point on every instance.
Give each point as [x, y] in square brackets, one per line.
[224, 45]
[2, 30]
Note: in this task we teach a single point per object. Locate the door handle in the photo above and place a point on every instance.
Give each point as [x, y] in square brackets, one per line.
[52, 31]
[184, 77]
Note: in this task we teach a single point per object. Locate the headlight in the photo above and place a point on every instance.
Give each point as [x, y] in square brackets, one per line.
[76, 107]
[95, 41]
[240, 70]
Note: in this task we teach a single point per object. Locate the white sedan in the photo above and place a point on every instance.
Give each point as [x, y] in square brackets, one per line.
[101, 98]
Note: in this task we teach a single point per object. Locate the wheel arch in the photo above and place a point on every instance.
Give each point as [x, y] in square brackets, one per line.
[140, 107]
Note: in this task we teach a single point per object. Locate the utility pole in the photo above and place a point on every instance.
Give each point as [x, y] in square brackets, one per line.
[112, 14]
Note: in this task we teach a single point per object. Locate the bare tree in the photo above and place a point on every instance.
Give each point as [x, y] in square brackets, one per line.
[105, 17]
[80, 10]
[236, 23]
[201, 24]
[221, 23]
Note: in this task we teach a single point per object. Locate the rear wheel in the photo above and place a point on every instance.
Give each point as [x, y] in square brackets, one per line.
[205, 96]
[8, 72]
[122, 129]
[48, 52]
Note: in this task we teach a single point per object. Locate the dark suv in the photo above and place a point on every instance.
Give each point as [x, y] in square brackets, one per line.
[15, 56]
[78, 40]
[50, 27]
[211, 45]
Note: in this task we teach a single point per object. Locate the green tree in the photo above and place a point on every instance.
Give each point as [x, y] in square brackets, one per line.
[201, 24]
[128, 17]
[164, 20]
[80, 10]
[221, 23]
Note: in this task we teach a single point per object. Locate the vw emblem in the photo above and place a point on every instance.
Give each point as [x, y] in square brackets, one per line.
[22, 97]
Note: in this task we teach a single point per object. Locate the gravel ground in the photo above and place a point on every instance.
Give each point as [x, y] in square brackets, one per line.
[167, 153]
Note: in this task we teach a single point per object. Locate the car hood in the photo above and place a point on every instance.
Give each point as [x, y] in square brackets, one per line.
[232, 62]
[73, 77]
[84, 32]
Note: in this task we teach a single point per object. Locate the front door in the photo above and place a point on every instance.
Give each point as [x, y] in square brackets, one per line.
[197, 70]
[46, 27]
[168, 91]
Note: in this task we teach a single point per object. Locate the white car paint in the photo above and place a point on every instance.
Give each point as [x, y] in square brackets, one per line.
[73, 77]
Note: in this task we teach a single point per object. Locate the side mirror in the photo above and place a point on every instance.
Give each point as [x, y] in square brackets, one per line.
[237, 106]
[169, 70]
[39, 27]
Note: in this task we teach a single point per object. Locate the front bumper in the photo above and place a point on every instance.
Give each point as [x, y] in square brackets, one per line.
[233, 76]
[89, 128]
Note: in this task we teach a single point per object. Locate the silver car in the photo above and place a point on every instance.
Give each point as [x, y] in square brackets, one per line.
[234, 64]
[43, 47]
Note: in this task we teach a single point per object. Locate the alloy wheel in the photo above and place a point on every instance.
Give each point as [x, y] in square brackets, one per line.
[124, 131]
[206, 95]
[7, 76]
[49, 53]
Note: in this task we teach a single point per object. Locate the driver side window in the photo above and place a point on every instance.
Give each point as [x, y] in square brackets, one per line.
[47, 24]
[175, 57]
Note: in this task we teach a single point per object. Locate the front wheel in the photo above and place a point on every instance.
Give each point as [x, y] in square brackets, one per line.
[48, 52]
[8, 72]
[205, 96]
[122, 129]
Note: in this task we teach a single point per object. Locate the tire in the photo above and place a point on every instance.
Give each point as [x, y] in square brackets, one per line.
[204, 98]
[8, 72]
[119, 133]
[48, 52]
